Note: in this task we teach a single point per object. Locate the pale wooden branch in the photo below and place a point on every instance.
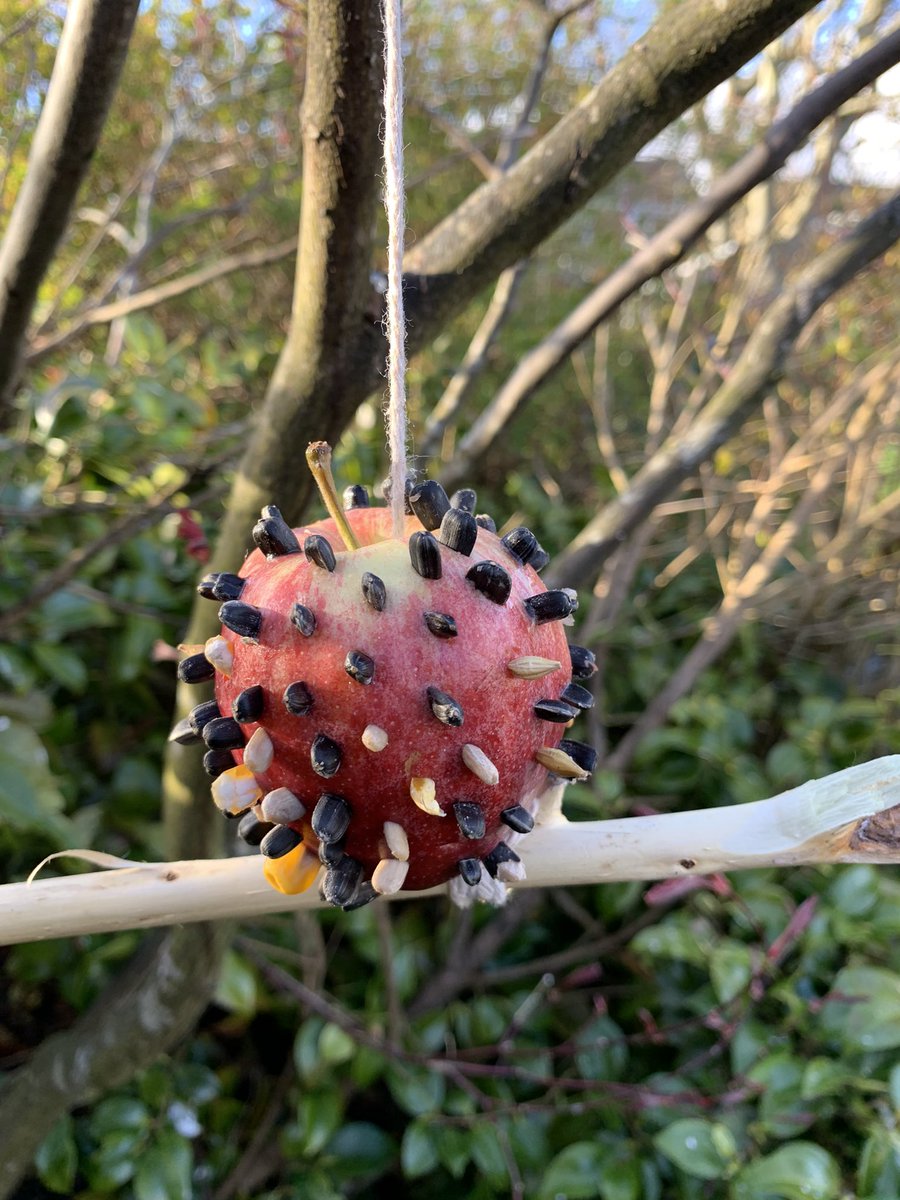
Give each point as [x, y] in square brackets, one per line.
[851, 816]
[666, 248]
[88, 64]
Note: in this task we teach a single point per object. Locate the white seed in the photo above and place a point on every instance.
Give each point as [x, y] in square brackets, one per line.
[235, 789]
[259, 751]
[389, 875]
[479, 764]
[529, 666]
[422, 791]
[397, 841]
[511, 872]
[218, 652]
[560, 763]
[374, 738]
[281, 807]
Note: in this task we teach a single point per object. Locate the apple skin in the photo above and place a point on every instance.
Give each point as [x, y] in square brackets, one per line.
[472, 667]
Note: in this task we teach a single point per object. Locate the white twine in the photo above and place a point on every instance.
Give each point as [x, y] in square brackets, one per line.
[394, 203]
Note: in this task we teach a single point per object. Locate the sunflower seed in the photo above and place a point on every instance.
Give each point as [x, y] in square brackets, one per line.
[281, 806]
[538, 559]
[247, 706]
[273, 535]
[325, 756]
[365, 894]
[303, 618]
[221, 586]
[184, 733]
[491, 580]
[501, 853]
[458, 531]
[389, 875]
[469, 818]
[518, 819]
[280, 841]
[318, 550]
[359, 666]
[235, 790]
[218, 651]
[447, 710]
[355, 496]
[584, 662]
[560, 763]
[429, 502]
[243, 619]
[195, 669]
[408, 486]
[331, 853]
[479, 764]
[203, 714]
[374, 591]
[422, 791]
[217, 761]
[529, 666]
[465, 498]
[298, 699]
[259, 751]
[223, 733]
[520, 542]
[577, 695]
[549, 606]
[331, 817]
[425, 555]
[441, 625]
[555, 710]
[342, 881]
[251, 830]
[396, 839]
[583, 754]
[470, 870]
[374, 738]
[486, 521]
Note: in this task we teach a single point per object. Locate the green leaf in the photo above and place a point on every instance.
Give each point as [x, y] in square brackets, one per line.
[863, 1008]
[703, 1149]
[573, 1173]
[236, 986]
[56, 1159]
[62, 665]
[603, 1051]
[730, 968]
[798, 1171]
[486, 1152]
[454, 1149]
[335, 1046]
[416, 1089]
[878, 1174]
[319, 1117]
[418, 1152]
[360, 1148]
[116, 1114]
[164, 1170]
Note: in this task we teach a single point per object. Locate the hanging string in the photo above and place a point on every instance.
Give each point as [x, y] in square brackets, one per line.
[394, 203]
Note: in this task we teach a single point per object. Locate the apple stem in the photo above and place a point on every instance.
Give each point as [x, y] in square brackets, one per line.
[318, 458]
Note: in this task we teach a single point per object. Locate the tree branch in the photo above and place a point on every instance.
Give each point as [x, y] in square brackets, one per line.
[755, 371]
[667, 247]
[88, 64]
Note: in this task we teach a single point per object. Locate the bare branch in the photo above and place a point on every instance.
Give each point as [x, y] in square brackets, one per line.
[668, 246]
[88, 63]
[760, 364]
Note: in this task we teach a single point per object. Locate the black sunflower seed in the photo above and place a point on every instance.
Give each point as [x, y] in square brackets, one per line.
[486, 521]
[243, 619]
[356, 496]
[518, 819]
[221, 586]
[440, 624]
[469, 818]
[425, 555]
[273, 535]
[374, 591]
[247, 706]
[331, 817]
[555, 710]
[298, 699]
[365, 894]
[303, 618]
[195, 669]
[184, 733]
[318, 550]
[252, 830]
[549, 606]
[359, 666]
[501, 853]
[458, 531]
[491, 580]
[408, 486]
[577, 695]
[331, 853]
[520, 542]
[217, 761]
[202, 714]
[447, 710]
[223, 733]
[470, 870]
[538, 559]
[584, 755]
[429, 502]
[280, 840]
[325, 756]
[341, 882]
[206, 586]
[584, 662]
[465, 498]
